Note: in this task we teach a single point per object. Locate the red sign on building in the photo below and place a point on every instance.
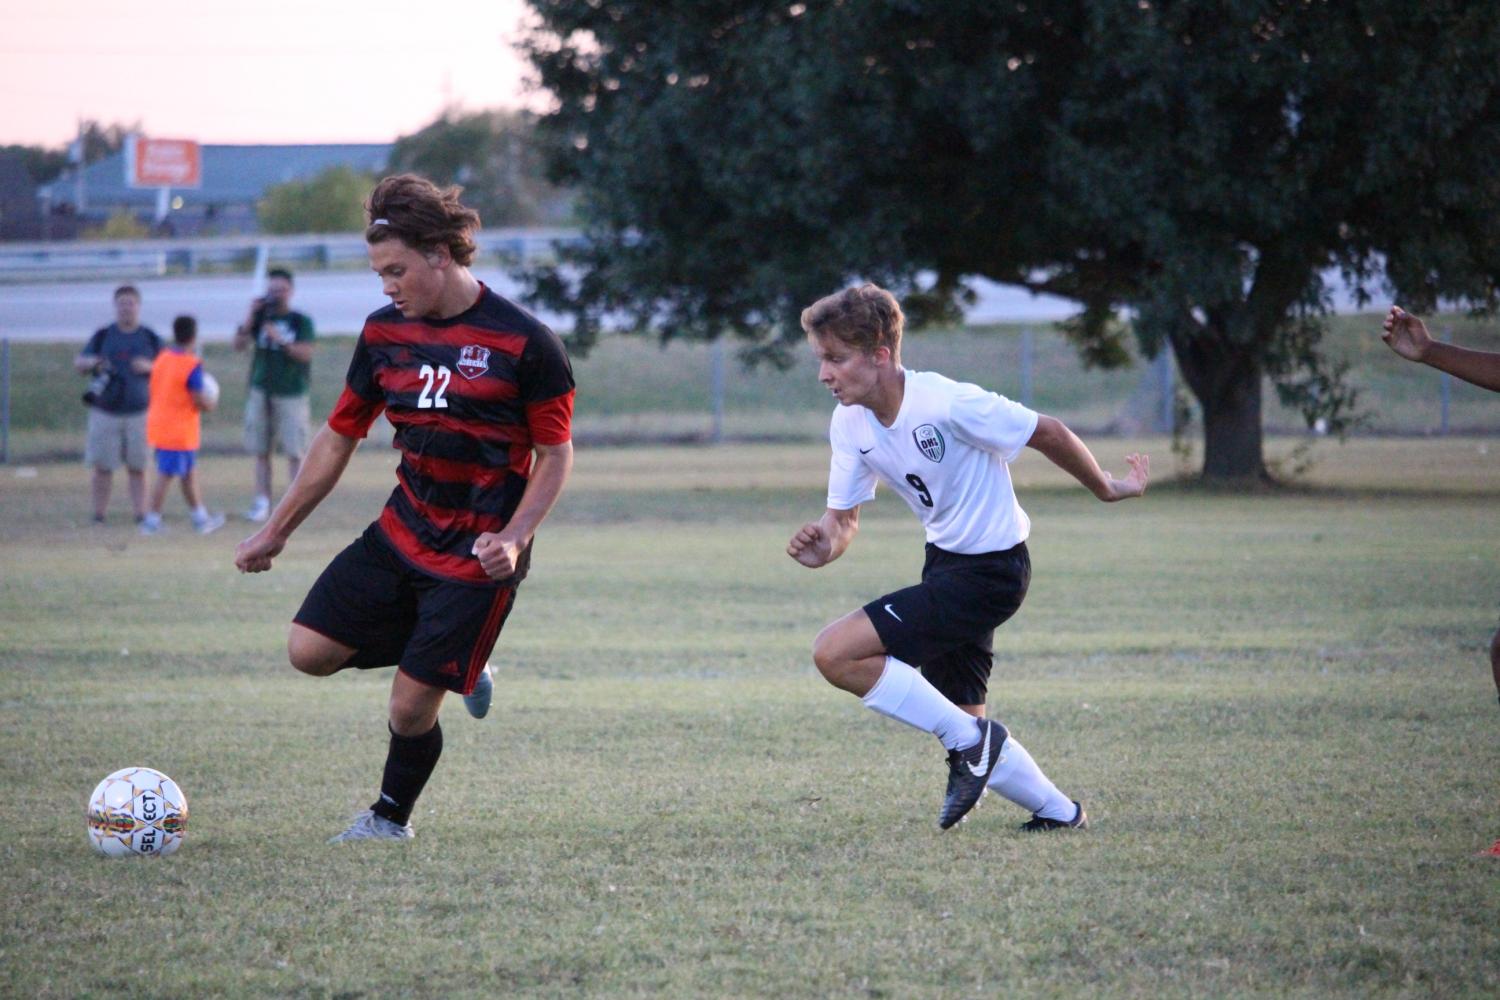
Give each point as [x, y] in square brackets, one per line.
[174, 163]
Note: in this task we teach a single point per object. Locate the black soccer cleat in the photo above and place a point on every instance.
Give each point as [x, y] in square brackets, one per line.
[969, 772]
[1037, 824]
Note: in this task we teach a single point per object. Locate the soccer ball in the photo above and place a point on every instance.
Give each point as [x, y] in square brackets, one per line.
[137, 810]
[210, 391]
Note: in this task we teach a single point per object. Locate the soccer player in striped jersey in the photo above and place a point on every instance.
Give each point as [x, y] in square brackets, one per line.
[923, 654]
[480, 394]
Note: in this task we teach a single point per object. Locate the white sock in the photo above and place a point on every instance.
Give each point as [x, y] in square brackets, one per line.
[153, 518]
[200, 513]
[905, 695]
[1018, 779]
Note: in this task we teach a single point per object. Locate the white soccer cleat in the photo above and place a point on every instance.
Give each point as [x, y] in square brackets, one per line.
[477, 702]
[209, 524]
[259, 511]
[368, 826]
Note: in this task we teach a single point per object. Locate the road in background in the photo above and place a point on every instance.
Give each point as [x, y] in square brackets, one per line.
[338, 302]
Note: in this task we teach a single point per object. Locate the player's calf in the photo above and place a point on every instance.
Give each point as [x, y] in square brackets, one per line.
[1495, 658]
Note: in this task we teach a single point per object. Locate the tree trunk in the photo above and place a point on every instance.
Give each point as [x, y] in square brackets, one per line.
[1226, 380]
[1232, 432]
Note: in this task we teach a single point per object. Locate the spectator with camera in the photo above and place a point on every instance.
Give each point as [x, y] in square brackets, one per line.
[280, 375]
[118, 360]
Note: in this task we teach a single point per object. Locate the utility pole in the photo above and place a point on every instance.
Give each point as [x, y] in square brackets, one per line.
[716, 390]
[4, 400]
[1028, 360]
[78, 155]
[1445, 383]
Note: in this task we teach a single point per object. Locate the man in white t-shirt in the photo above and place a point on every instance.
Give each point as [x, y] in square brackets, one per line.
[923, 654]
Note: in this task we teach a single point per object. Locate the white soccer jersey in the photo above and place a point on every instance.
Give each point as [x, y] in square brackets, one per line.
[946, 456]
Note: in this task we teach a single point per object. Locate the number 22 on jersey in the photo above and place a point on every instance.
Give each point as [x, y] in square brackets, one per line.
[439, 378]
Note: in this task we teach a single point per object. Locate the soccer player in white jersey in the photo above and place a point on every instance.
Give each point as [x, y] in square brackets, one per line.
[922, 654]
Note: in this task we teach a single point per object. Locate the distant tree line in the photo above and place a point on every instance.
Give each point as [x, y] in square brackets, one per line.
[46, 164]
[492, 154]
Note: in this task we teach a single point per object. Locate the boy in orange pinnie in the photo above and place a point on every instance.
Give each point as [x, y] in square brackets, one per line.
[180, 392]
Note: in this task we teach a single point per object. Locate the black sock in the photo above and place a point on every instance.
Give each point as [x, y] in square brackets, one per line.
[408, 765]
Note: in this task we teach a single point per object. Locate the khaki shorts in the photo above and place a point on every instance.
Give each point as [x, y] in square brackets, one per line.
[289, 417]
[113, 437]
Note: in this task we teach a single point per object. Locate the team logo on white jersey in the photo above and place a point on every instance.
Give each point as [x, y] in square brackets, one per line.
[929, 441]
[473, 361]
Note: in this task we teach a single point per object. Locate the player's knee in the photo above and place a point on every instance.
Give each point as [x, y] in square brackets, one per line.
[828, 658]
[310, 663]
[310, 656]
[411, 718]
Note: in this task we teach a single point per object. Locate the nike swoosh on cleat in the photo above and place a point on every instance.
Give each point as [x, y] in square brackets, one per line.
[891, 611]
[865, 451]
[984, 755]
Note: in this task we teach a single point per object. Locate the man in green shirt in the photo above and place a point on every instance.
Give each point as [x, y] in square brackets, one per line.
[277, 406]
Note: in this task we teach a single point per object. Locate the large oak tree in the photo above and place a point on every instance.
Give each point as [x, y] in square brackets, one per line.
[1200, 165]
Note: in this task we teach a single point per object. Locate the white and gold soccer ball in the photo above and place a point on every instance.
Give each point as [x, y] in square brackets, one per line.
[210, 391]
[137, 811]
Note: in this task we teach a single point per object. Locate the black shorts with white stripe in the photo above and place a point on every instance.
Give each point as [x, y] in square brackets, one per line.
[946, 624]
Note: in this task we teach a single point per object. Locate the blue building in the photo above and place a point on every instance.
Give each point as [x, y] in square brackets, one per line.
[234, 179]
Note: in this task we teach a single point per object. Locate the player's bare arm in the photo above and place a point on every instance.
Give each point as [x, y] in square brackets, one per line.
[1407, 336]
[85, 364]
[327, 457]
[1065, 450]
[818, 543]
[499, 551]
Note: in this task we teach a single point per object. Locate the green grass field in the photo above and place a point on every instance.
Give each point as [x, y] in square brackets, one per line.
[1276, 707]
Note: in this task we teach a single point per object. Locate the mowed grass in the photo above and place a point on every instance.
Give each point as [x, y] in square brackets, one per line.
[1276, 707]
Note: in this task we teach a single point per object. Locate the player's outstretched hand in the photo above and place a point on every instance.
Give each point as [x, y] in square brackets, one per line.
[255, 553]
[1134, 484]
[498, 556]
[1406, 334]
[811, 545]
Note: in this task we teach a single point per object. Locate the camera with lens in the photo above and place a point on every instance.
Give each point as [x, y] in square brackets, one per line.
[104, 374]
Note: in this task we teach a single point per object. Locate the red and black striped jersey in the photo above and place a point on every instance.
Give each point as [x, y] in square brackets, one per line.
[468, 397]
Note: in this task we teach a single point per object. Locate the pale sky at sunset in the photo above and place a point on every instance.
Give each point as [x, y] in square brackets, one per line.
[271, 71]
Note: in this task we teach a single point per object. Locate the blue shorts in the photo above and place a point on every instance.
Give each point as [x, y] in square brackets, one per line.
[175, 463]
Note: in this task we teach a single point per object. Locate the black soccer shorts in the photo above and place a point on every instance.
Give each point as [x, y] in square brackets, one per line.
[438, 632]
[946, 624]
